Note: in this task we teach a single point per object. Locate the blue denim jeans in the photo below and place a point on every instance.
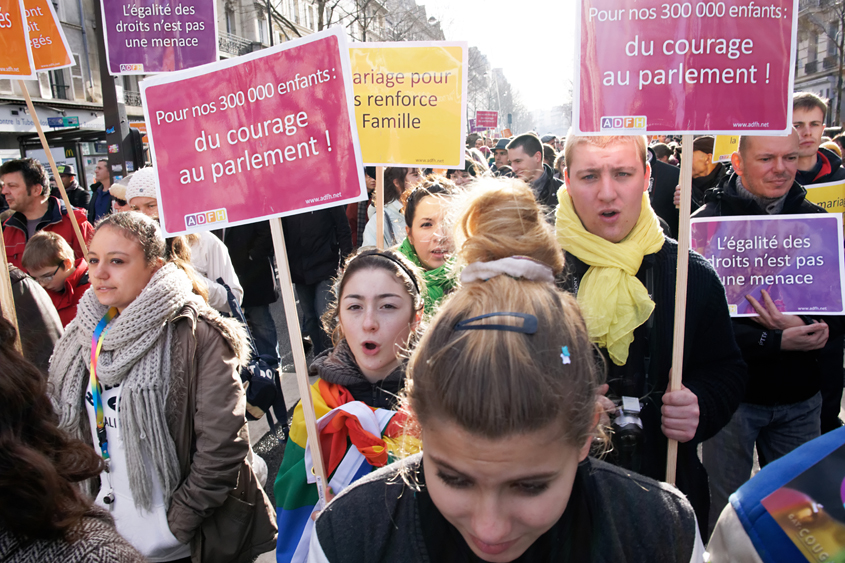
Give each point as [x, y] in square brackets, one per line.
[729, 455]
[314, 299]
[263, 329]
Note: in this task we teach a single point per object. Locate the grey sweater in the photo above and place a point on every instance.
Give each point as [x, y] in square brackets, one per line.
[98, 542]
[623, 517]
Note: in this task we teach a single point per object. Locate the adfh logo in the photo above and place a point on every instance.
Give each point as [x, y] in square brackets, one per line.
[196, 219]
[132, 68]
[623, 122]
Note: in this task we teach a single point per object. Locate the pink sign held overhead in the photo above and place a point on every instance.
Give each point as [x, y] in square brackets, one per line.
[691, 67]
[265, 135]
[487, 119]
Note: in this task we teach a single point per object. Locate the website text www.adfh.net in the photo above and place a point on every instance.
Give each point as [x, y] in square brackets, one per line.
[321, 199]
[753, 124]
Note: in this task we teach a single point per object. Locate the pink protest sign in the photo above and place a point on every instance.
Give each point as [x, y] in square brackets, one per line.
[487, 119]
[691, 67]
[265, 135]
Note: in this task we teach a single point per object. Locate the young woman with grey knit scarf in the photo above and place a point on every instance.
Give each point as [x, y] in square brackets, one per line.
[148, 374]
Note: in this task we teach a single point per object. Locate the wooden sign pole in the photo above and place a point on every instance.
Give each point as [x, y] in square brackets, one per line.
[681, 290]
[380, 207]
[54, 168]
[289, 300]
[7, 299]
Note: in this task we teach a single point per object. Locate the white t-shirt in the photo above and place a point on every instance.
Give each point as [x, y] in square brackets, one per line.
[148, 532]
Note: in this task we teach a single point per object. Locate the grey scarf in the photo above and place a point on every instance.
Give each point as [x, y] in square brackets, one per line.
[136, 356]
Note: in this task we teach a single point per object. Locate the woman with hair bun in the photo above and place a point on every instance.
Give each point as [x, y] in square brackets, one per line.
[428, 244]
[43, 514]
[503, 387]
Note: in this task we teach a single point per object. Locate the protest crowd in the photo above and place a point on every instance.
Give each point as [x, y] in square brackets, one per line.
[492, 378]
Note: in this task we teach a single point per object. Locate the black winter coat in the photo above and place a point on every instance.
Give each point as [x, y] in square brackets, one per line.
[547, 194]
[828, 168]
[664, 179]
[713, 366]
[251, 249]
[774, 377]
[316, 243]
[79, 197]
[610, 516]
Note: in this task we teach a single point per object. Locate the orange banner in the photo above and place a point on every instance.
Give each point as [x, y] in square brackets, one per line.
[17, 56]
[46, 37]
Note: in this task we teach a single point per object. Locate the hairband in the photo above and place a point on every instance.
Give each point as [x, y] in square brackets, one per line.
[513, 266]
[529, 323]
[401, 265]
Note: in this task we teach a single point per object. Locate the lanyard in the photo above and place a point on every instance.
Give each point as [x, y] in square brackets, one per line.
[96, 346]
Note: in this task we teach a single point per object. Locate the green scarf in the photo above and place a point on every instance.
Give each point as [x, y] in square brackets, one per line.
[438, 282]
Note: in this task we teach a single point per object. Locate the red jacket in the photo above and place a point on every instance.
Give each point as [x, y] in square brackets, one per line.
[55, 219]
[75, 285]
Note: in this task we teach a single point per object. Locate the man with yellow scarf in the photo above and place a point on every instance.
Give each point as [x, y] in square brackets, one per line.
[622, 269]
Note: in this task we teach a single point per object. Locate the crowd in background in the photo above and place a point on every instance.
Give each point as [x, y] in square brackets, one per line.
[506, 359]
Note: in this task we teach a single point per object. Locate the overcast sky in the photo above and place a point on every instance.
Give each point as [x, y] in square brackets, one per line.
[532, 40]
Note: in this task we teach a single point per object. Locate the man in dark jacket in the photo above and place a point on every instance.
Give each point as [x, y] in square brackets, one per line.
[815, 165]
[818, 165]
[251, 249]
[100, 204]
[78, 196]
[605, 183]
[317, 242]
[781, 406]
[526, 155]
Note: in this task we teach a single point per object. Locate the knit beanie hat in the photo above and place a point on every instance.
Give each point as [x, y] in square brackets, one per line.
[142, 184]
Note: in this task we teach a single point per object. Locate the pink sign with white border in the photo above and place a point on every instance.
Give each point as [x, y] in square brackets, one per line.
[687, 67]
[489, 119]
[264, 135]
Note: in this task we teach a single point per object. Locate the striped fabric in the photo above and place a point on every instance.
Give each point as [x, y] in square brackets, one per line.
[354, 439]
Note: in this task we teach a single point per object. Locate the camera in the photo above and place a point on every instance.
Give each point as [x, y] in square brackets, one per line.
[627, 432]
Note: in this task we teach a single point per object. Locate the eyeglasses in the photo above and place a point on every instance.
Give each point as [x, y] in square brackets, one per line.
[48, 277]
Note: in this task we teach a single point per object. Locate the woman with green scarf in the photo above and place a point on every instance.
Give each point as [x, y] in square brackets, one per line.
[428, 245]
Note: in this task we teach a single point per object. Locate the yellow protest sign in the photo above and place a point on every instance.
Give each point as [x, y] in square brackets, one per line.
[724, 147]
[410, 103]
[831, 196]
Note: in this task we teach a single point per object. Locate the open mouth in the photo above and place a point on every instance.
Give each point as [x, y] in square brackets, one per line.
[609, 214]
[370, 348]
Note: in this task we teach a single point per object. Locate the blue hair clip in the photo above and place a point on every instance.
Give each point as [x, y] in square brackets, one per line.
[564, 355]
[529, 324]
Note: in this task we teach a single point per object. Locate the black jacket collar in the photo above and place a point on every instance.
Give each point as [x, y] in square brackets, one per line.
[725, 194]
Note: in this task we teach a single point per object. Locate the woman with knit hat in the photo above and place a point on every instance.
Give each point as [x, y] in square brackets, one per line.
[148, 374]
[209, 256]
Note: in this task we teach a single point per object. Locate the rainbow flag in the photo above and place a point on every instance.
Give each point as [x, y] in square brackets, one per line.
[354, 439]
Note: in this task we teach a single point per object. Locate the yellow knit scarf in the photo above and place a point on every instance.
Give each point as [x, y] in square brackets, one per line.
[613, 301]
